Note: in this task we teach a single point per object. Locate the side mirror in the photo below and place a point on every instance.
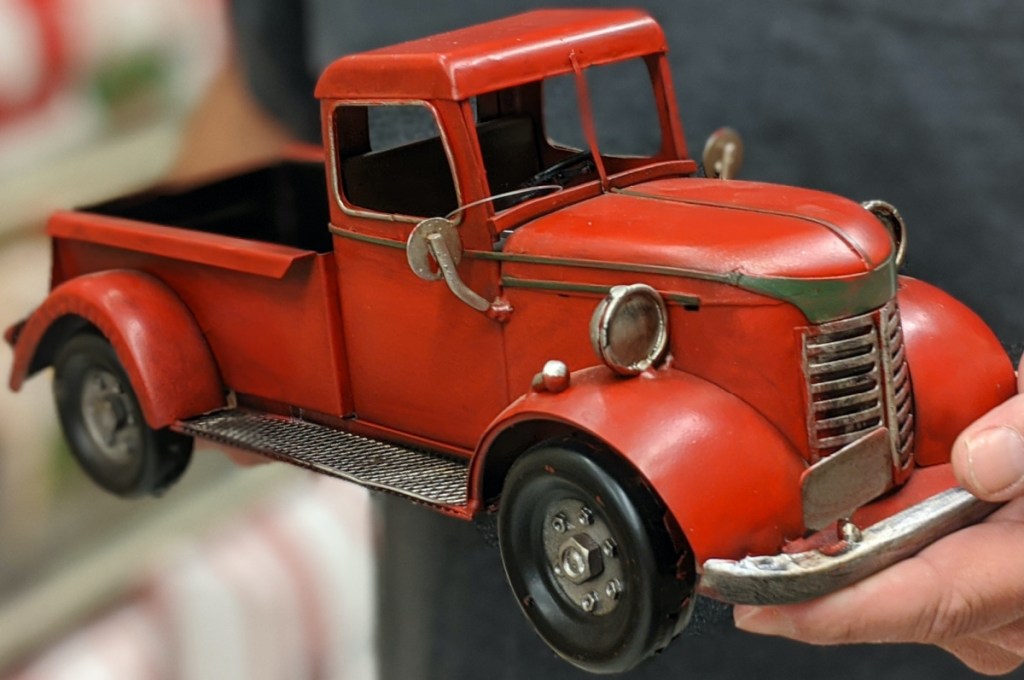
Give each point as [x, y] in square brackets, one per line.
[434, 251]
[723, 154]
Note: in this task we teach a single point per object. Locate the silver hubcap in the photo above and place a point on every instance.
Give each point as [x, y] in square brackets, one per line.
[109, 417]
[583, 556]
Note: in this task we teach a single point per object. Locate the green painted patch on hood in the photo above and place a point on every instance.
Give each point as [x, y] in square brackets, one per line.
[824, 300]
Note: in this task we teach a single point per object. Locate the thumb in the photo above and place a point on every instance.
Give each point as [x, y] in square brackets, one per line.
[988, 457]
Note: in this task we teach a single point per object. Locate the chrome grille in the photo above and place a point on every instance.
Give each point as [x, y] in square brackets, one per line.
[858, 380]
[844, 376]
[899, 393]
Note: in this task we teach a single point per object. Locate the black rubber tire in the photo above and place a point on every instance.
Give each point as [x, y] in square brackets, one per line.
[152, 462]
[657, 565]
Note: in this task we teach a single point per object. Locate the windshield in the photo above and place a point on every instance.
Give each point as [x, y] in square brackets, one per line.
[533, 135]
[623, 106]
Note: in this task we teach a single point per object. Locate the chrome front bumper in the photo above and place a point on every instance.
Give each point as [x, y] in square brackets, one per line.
[791, 578]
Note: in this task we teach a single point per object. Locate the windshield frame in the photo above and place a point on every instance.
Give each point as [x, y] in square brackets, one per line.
[613, 171]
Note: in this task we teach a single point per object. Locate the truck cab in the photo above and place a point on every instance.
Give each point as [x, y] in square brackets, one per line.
[480, 105]
[660, 383]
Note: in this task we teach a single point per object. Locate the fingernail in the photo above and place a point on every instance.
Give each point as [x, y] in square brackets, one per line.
[764, 620]
[995, 459]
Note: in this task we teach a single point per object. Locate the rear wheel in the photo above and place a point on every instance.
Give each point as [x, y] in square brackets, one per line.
[590, 558]
[104, 425]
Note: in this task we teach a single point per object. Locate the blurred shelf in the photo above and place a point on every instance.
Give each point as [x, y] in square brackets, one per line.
[114, 165]
[68, 590]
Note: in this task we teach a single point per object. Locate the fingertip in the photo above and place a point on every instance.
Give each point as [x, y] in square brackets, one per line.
[990, 463]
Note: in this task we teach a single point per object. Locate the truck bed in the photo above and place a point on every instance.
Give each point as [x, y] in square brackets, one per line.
[250, 257]
[281, 203]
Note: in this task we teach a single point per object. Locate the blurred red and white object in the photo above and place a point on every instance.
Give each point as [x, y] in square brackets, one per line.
[31, 60]
[73, 72]
[282, 593]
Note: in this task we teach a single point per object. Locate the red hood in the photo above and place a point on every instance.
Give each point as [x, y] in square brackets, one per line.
[714, 226]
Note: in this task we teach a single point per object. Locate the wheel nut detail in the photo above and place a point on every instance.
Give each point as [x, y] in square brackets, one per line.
[614, 589]
[579, 548]
[580, 559]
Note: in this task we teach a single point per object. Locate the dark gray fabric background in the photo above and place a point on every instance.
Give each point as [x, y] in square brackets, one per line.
[920, 103]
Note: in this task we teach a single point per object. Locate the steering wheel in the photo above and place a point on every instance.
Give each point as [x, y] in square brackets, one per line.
[564, 171]
[558, 175]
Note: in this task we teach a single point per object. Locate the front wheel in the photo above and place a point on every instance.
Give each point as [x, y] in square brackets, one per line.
[591, 559]
[104, 425]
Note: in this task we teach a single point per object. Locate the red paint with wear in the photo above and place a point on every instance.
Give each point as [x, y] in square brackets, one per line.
[780, 376]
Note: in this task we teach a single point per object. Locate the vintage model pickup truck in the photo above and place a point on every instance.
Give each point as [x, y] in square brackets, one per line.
[663, 383]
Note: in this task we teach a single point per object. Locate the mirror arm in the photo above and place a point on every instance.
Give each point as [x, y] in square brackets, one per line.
[435, 240]
[723, 154]
[728, 162]
[445, 263]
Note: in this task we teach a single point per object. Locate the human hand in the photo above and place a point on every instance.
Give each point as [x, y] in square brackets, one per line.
[964, 593]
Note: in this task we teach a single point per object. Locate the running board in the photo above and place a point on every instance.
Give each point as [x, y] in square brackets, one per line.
[423, 476]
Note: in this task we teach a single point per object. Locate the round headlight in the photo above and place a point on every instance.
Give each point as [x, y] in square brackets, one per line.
[889, 216]
[629, 329]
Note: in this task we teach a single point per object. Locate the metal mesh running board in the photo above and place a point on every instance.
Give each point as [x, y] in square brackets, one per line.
[424, 476]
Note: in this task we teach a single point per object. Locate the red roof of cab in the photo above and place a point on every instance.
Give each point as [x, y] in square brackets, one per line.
[492, 56]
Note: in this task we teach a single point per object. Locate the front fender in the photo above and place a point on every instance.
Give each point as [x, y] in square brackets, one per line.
[958, 367]
[154, 335]
[729, 478]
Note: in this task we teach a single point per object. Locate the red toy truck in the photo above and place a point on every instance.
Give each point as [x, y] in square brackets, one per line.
[664, 384]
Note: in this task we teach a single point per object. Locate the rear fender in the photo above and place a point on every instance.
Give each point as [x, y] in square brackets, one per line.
[156, 339]
[958, 367]
[729, 478]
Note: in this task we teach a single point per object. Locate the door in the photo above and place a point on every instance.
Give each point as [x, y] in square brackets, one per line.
[421, 361]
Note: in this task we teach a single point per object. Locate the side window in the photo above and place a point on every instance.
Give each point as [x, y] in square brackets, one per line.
[392, 160]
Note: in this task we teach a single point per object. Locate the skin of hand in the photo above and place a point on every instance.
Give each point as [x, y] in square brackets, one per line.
[964, 593]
